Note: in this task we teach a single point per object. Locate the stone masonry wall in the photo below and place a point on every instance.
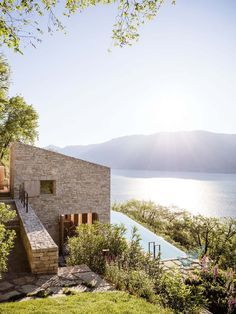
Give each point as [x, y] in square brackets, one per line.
[80, 186]
[41, 250]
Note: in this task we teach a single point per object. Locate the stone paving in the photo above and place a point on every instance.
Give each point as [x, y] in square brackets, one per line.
[69, 280]
[184, 265]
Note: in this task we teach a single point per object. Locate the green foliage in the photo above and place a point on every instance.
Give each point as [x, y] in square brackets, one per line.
[85, 303]
[68, 291]
[217, 288]
[40, 293]
[132, 270]
[4, 78]
[174, 293]
[6, 236]
[88, 245]
[133, 257]
[18, 121]
[136, 282]
[215, 237]
[21, 20]
[128, 267]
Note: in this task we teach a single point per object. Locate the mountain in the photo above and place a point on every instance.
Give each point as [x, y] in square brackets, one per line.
[168, 151]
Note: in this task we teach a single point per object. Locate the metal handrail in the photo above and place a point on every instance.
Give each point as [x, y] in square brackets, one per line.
[24, 197]
[156, 248]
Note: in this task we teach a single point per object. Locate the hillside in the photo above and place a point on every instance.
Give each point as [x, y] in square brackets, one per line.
[168, 151]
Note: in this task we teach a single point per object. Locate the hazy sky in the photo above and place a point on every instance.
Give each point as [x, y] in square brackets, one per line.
[181, 75]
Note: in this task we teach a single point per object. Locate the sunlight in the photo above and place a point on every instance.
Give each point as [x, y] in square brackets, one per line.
[171, 112]
[197, 196]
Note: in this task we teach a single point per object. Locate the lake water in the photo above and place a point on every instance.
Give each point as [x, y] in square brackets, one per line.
[210, 194]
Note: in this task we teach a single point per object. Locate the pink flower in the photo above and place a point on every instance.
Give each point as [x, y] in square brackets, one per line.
[215, 272]
[204, 262]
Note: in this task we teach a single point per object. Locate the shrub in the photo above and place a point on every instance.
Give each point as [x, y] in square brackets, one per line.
[217, 289]
[130, 269]
[6, 236]
[136, 282]
[90, 241]
[174, 293]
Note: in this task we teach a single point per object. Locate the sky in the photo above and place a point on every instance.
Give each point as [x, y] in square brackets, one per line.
[181, 75]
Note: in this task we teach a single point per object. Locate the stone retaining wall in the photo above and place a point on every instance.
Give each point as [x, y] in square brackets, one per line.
[41, 250]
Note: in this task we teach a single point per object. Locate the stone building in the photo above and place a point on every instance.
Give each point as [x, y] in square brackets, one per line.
[63, 191]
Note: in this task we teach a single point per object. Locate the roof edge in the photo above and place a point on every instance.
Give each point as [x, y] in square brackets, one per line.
[60, 154]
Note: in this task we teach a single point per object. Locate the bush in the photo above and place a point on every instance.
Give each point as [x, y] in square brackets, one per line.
[217, 289]
[6, 236]
[90, 241]
[174, 293]
[136, 282]
[130, 269]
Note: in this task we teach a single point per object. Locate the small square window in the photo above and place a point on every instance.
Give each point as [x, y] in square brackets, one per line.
[47, 187]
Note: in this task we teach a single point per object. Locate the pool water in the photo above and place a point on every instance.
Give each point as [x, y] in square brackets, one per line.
[168, 250]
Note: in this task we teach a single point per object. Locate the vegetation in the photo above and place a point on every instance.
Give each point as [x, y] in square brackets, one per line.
[124, 263]
[18, 121]
[87, 247]
[6, 235]
[22, 20]
[199, 235]
[216, 287]
[130, 269]
[85, 303]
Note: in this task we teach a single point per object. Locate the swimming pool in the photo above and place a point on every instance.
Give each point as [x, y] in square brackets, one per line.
[168, 251]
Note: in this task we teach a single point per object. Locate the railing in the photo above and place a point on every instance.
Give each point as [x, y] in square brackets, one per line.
[24, 197]
[156, 249]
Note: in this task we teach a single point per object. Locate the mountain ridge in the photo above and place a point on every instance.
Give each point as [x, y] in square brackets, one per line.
[199, 151]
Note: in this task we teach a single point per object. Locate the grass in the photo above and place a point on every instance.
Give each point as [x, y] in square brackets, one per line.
[85, 303]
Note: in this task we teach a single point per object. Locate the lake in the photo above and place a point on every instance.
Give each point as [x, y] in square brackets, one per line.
[210, 194]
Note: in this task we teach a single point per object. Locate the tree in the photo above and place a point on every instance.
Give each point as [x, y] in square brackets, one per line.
[6, 236]
[18, 120]
[199, 235]
[20, 20]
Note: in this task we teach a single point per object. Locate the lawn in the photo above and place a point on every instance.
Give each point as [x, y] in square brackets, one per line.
[85, 303]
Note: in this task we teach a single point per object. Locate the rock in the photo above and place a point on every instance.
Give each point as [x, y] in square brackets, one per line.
[104, 289]
[40, 293]
[5, 285]
[79, 288]
[10, 295]
[41, 282]
[28, 288]
[65, 271]
[92, 280]
[24, 280]
[56, 290]
[47, 277]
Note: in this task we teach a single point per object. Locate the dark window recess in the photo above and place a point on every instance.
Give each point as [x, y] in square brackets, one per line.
[84, 218]
[67, 217]
[94, 217]
[47, 187]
